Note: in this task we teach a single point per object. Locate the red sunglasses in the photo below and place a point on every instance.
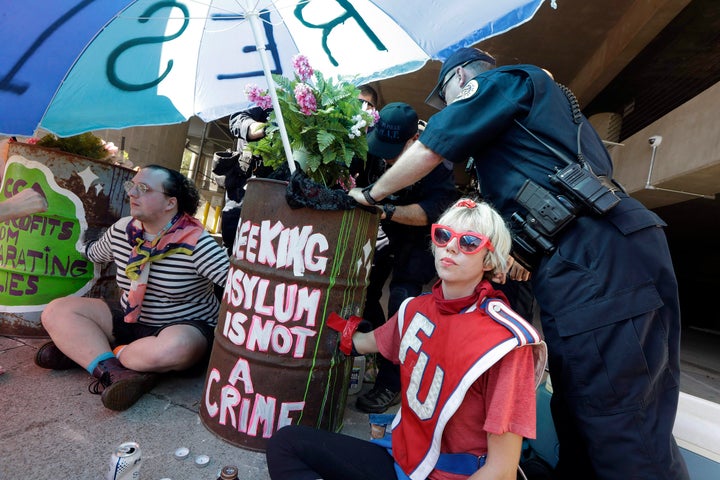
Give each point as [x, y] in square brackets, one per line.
[468, 242]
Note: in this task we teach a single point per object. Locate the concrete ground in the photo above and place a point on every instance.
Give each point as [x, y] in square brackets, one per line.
[52, 427]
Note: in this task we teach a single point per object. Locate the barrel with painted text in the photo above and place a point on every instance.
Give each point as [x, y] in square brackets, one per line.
[274, 362]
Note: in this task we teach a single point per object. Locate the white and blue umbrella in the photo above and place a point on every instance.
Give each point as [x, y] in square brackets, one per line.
[76, 66]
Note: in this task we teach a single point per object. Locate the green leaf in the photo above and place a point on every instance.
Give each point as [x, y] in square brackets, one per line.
[325, 139]
[313, 162]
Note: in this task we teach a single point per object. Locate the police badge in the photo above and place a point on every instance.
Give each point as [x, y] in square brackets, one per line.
[468, 90]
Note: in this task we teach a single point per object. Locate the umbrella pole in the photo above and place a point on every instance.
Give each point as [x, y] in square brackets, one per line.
[254, 18]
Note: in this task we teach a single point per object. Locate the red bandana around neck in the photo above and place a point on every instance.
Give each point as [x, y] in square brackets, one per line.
[456, 305]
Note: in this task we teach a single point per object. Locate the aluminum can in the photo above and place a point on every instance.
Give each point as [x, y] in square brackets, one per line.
[125, 462]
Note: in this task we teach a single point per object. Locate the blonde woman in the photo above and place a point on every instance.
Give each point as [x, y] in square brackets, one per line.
[469, 367]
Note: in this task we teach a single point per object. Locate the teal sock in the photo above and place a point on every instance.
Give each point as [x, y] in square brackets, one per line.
[98, 359]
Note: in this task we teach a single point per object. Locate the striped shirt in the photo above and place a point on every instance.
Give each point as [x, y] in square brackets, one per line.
[179, 287]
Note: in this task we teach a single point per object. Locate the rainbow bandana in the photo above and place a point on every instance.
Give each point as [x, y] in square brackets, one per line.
[180, 235]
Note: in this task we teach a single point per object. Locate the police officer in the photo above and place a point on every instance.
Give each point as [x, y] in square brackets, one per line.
[606, 288]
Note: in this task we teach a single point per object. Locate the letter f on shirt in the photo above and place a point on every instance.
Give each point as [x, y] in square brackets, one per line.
[412, 341]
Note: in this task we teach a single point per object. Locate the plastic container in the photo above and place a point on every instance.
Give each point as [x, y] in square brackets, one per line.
[357, 373]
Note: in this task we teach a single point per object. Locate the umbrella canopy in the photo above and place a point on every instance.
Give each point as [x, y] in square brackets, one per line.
[72, 68]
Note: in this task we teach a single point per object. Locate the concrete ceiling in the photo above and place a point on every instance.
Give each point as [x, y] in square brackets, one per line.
[655, 55]
[585, 44]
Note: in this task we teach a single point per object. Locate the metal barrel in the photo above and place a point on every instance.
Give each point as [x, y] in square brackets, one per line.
[41, 255]
[274, 362]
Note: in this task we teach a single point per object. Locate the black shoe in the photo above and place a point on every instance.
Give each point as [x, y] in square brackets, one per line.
[49, 356]
[120, 386]
[377, 400]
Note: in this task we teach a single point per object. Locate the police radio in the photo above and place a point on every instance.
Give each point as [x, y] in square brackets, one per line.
[534, 234]
[546, 215]
[585, 187]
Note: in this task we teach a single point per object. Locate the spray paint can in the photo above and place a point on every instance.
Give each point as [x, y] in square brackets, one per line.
[125, 462]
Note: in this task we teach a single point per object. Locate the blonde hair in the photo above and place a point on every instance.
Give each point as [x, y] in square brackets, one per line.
[473, 215]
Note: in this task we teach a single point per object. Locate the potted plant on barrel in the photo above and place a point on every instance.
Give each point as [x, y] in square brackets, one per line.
[325, 123]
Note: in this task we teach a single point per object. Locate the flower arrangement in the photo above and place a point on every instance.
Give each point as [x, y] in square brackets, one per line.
[324, 120]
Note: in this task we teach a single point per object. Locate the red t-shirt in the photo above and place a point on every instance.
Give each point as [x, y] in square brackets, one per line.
[501, 400]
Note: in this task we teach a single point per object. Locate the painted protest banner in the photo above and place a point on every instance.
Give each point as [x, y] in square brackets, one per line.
[41, 254]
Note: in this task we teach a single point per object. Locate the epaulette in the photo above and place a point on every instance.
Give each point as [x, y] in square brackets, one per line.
[507, 317]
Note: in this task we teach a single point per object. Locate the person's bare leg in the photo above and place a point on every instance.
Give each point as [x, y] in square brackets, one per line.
[80, 327]
[177, 347]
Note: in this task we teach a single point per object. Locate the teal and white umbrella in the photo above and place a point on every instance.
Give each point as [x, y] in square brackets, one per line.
[76, 66]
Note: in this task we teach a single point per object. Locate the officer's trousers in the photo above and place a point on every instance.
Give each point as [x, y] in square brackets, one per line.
[610, 316]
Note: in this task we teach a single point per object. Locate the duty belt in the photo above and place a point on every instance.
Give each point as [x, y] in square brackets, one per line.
[535, 234]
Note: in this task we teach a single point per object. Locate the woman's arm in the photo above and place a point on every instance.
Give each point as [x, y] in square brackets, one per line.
[364, 342]
[502, 458]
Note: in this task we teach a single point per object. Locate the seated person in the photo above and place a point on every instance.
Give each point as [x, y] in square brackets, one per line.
[469, 368]
[166, 267]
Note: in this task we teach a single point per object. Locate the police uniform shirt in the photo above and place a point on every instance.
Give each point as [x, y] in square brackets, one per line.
[481, 124]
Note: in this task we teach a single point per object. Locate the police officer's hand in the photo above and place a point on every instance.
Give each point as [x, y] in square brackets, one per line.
[357, 194]
[499, 277]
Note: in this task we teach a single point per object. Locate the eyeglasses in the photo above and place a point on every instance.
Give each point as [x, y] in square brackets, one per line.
[140, 188]
[441, 91]
[468, 242]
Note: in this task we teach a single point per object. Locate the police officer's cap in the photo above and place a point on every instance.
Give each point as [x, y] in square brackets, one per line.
[398, 123]
[462, 56]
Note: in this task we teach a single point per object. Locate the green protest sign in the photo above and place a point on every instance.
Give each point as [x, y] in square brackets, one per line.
[40, 254]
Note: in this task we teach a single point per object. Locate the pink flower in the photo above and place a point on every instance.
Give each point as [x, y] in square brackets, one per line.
[302, 67]
[305, 98]
[32, 141]
[351, 183]
[110, 148]
[259, 97]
